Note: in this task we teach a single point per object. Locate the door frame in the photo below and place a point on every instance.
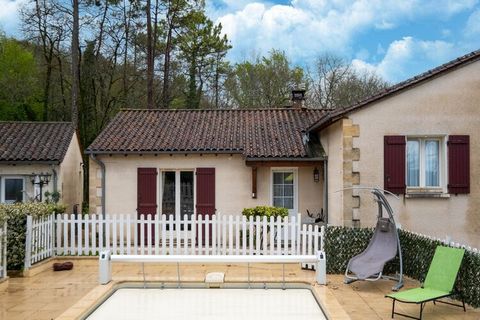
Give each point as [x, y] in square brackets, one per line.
[294, 170]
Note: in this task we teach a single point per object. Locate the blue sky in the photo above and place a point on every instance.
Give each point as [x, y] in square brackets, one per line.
[396, 39]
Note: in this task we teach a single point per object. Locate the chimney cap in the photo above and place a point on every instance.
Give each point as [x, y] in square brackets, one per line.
[298, 94]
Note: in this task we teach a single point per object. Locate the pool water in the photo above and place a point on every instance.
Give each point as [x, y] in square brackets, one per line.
[275, 304]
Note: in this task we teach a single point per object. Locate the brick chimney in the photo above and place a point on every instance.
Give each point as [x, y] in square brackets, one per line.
[298, 96]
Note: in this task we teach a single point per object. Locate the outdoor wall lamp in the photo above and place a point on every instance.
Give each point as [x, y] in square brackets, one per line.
[41, 180]
[316, 175]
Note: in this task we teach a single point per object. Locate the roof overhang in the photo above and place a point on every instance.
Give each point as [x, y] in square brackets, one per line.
[103, 152]
[284, 162]
[29, 162]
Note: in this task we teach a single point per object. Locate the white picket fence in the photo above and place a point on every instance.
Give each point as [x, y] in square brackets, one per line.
[3, 251]
[144, 235]
[39, 243]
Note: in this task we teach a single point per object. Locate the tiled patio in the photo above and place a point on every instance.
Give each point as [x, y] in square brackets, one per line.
[49, 294]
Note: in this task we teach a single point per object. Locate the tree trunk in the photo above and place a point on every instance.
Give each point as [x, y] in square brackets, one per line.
[46, 90]
[166, 70]
[149, 57]
[75, 64]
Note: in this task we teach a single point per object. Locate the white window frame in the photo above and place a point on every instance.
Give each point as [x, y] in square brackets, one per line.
[2, 188]
[442, 165]
[293, 212]
[177, 190]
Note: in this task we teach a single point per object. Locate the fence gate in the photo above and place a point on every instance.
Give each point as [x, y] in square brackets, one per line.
[39, 243]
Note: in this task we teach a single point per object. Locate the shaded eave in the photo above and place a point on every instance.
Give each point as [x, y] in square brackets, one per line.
[251, 161]
[332, 117]
[116, 152]
[30, 162]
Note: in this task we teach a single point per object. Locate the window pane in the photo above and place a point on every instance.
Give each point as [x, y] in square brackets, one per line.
[288, 178]
[432, 163]
[186, 194]
[288, 202]
[13, 190]
[289, 190]
[168, 192]
[278, 177]
[278, 190]
[413, 163]
[278, 202]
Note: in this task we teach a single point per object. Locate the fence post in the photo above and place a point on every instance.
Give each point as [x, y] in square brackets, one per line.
[322, 238]
[28, 243]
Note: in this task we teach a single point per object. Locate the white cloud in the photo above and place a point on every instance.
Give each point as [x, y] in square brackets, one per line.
[410, 55]
[304, 28]
[9, 15]
[472, 28]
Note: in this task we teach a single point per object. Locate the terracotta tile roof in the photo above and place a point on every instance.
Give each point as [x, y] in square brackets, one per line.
[253, 133]
[34, 141]
[399, 87]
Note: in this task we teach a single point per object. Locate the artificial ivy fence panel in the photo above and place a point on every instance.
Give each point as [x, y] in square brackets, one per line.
[342, 243]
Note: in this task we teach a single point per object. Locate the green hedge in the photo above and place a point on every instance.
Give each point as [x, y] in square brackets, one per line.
[16, 217]
[342, 243]
[264, 211]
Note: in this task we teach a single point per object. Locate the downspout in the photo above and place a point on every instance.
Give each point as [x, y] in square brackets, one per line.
[55, 179]
[102, 167]
[325, 189]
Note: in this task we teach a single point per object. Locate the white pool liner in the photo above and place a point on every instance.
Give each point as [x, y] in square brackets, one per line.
[242, 304]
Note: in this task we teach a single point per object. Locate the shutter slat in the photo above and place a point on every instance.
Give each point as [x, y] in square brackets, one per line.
[459, 164]
[394, 164]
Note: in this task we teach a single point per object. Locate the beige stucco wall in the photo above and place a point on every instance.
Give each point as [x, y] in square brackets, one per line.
[331, 139]
[71, 176]
[447, 105]
[232, 177]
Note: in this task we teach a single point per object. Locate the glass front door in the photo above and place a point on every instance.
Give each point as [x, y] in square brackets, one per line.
[178, 194]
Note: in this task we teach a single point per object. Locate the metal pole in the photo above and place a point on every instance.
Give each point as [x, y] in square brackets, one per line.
[143, 271]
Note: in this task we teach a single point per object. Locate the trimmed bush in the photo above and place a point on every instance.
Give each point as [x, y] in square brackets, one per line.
[16, 217]
[342, 243]
[264, 211]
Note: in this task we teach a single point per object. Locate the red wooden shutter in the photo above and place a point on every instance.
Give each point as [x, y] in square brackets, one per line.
[147, 191]
[394, 164]
[205, 191]
[458, 164]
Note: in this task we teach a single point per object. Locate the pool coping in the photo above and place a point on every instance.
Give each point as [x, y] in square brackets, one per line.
[93, 299]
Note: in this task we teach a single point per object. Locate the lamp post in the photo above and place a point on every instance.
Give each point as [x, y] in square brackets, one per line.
[41, 180]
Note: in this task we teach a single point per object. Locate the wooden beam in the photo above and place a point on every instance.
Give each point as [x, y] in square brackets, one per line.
[254, 182]
[284, 163]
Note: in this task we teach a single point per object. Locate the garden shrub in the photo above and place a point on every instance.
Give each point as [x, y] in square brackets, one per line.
[264, 211]
[16, 217]
[342, 243]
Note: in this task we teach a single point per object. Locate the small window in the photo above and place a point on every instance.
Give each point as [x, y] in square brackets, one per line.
[13, 189]
[283, 189]
[424, 159]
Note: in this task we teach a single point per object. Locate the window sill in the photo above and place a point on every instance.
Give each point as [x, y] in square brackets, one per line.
[426, 193]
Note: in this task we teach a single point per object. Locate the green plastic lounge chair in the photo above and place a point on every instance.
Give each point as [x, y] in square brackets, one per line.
[438, 284]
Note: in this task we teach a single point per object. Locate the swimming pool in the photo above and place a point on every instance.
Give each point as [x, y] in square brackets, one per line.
[203, 303]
